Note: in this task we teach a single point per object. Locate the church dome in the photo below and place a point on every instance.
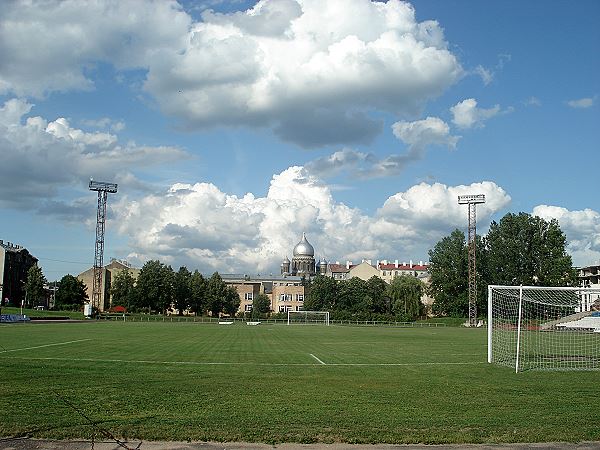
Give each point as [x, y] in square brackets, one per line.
[303, 248]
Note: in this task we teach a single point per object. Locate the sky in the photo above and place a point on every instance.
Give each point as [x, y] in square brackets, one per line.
[232, 127]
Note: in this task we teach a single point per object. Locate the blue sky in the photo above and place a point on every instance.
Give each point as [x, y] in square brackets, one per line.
[232, 127]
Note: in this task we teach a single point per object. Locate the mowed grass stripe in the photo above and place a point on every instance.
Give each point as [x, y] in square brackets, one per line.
[260, 384]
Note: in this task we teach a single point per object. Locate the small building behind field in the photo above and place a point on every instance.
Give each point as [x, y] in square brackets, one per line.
[109, 271]
[15, 261]
[589, 277]
[286, 292]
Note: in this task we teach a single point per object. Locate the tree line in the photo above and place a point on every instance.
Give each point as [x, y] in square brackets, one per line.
[373, 299]
[158, 287]
[520, 249]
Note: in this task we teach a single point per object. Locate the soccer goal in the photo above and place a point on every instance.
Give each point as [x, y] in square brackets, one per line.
[308, 317]
[544, 328]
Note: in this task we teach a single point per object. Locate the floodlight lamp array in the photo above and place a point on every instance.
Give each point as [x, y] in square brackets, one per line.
[468, 199]
[102, 186]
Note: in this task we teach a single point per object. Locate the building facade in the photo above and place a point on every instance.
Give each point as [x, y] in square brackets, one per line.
[108, 273]
[285, 292]
[589, 277]
[15, 261]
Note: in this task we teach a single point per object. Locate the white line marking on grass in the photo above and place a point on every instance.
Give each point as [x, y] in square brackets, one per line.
[208, 363]
[321, 362]
[45, 345]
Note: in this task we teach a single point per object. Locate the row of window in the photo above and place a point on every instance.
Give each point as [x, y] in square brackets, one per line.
[282, 308]
[282, 297]
[289, 297]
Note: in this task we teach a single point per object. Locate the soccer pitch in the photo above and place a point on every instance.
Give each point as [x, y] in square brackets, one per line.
[278, 383]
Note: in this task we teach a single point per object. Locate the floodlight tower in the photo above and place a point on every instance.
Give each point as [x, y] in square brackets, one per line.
[471, 201]
[103, 190]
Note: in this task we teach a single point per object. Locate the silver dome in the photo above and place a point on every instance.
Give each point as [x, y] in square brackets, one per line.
[303, 248]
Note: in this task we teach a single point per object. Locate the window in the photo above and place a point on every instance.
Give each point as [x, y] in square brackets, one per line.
[384, 273]
[300, 297]
[285, 297]
[248, 308]
[284, 308]
[249, 296]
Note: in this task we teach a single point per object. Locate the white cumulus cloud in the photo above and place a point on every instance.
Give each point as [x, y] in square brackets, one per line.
[582, 229]
[313, 74]
[466, 114]
[53, 45]
[417, 135]
[201, 226]
[53, 155]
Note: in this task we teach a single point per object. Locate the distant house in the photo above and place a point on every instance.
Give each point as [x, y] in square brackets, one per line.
[15, 261]
[108, 273]
[286, 292]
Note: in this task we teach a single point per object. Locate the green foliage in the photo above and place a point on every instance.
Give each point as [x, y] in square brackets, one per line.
[231, 301]
[321, 295]
[405, 294]
[528, 250]
[261, 305]
[34, 286]
[520, 249]
[183, 289]
[155, 286]
[198, 288]
[356, 299]
[215, 294]
[123, 290]
[449, 271]
[71, 293]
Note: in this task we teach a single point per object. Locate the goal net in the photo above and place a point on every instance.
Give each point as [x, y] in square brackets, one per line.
[308, 317]
[544, 328]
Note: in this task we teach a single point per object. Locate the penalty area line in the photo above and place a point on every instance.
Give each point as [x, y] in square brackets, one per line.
[230, 363]
[45, 345]
[320, 362]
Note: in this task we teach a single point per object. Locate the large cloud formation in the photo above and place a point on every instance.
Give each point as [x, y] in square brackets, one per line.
[39, 157]
[311, 70]
[582, 229]
[201, 226]
[417, 135]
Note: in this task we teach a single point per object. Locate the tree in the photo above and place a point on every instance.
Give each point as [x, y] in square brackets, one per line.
[322, 294]
[155, 286]
[261, 304]
[528, 250]
[449, 270]
[231, 301]
[405, 293]
[215, 294]
[123, 289]
[376, 289]
[183, 289]
[71, 293]
[34, 286]
[198, 293]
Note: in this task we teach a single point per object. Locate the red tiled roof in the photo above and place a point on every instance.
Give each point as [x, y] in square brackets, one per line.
[403, 267]
[339, 268]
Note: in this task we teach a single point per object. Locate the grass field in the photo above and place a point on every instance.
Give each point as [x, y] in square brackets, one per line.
[277, 383]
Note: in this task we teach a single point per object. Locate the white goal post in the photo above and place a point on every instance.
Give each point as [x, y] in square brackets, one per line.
[308, 317]
[544, 328]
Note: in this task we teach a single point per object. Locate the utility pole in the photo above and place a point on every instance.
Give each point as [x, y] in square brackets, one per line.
[103, 190]
[471, 201]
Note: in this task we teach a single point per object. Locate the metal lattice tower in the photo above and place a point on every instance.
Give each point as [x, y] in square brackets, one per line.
[103, 190]
[471, 201]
